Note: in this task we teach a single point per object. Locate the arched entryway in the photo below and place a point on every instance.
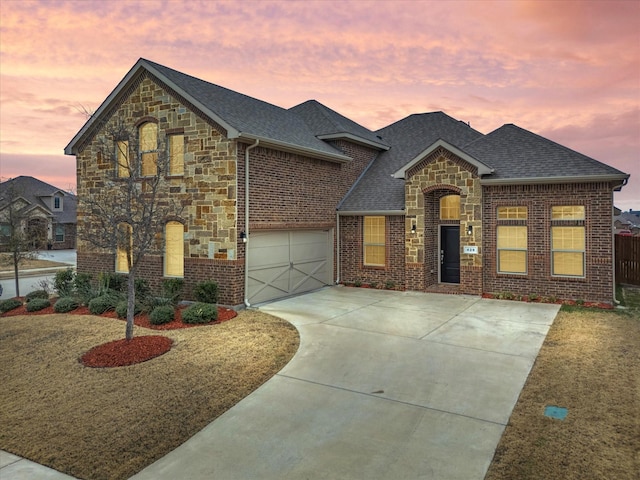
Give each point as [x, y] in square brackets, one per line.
[37, 232]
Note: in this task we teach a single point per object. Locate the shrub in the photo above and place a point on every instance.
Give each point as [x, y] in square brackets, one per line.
[206, 292]
[390, 285]
[36, 304]
[9, 304]
[65, 304]
[121, 308]
[162, 314]
[36, 294]
[83, 288]
[143, 291]
[103, 303]
[63, 283]
[114, 281]
[200, 313]
[172, 288]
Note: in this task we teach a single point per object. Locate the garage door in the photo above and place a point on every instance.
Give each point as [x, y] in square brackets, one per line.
[284, 263]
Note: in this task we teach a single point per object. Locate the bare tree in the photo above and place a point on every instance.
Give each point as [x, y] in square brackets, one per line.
[15, 234]
[129, 212]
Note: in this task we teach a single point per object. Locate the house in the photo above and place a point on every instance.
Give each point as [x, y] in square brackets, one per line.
[281, 201]
[627, 223]
[48, 213]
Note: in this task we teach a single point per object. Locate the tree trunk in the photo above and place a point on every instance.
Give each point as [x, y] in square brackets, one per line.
[15, 271]
[131, 303]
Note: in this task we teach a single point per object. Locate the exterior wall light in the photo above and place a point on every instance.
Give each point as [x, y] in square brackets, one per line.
[243, 237]
[469, 229]
[413, 228]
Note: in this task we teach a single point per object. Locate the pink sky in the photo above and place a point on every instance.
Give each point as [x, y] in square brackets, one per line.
[569, 71]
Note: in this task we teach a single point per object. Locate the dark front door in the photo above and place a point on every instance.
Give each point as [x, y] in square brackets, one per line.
[450, 254]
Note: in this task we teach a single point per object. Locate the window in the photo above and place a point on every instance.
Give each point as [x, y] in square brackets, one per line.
[122, 159]
[148, 137]
[512, 240]
[374, 241]
[59, 233]
[450, 207]
[568, 242]
[174, 250]
[57, 203]
[5, 232]
[176, 154]
[125, 247]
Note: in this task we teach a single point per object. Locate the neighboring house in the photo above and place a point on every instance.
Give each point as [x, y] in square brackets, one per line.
[281, 201]
[49, 213]
[627, 223]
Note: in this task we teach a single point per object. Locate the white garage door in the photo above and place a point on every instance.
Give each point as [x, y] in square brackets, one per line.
[283, 263]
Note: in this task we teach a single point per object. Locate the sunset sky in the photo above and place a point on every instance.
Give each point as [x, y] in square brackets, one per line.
[569, 71]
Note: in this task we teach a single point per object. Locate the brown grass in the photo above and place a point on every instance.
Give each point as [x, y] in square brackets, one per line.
[590, 364]
[6, 263]
[111, 423]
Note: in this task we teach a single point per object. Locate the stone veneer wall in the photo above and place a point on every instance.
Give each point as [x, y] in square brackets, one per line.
[208, 187]
[597, 198]
[442, 173]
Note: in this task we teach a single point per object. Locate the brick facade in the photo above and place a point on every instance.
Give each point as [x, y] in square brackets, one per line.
[597, 198]
[287, 191]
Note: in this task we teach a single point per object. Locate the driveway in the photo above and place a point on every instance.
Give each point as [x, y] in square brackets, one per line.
[385, 384]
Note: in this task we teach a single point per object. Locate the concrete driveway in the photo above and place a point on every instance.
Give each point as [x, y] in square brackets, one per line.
[385, 384]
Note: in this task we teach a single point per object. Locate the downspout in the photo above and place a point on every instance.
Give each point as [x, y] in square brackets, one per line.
[337, 247]
[246, 220]
[613, 243]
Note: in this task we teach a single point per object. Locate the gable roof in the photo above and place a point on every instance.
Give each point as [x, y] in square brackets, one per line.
[520, 156]
[378, 190]
[35, 192]
[242, 117]
[327, 124]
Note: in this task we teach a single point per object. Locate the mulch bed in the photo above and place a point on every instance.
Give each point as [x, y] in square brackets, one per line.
[122, 353]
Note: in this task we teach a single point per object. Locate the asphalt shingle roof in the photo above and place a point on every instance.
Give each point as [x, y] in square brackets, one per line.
[324, 121]
[247, 114]
[34, 191]
[516, 153]
[377, 190]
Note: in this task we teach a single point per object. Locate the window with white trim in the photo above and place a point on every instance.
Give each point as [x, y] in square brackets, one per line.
[568, 241]
[174, 249]
[374, 241]
[511, 239]
[148, 138]
[125, 247]
[176, 154]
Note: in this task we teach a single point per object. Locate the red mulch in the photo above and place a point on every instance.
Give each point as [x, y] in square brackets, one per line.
[121, 353]
[142, 320]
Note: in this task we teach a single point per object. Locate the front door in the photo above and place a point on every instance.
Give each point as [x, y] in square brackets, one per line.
[450, 254]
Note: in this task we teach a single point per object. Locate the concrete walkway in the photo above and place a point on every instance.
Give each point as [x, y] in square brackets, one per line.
[398, 385]
[385, 384]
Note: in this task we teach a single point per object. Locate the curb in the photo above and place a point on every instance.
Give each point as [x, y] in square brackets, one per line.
[36, 272]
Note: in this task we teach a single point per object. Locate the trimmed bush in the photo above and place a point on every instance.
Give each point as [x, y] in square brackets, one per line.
[162, 314]
[200, 313]
[121, 309]
[36, 304]
[9, 304]
[41, 294]
[83, 288]
[63, 283]
[172, 288]
[113, 281]
[103, 303]
[206, 292]
[65, 304]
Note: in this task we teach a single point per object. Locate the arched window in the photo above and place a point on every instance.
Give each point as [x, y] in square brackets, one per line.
[174, 249]
[125, 247]
[148, 137]
[450, 207]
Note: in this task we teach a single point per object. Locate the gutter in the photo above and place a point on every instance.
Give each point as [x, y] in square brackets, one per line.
[292, 148]
[623, 178]
[246, 220]
[372, 212]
